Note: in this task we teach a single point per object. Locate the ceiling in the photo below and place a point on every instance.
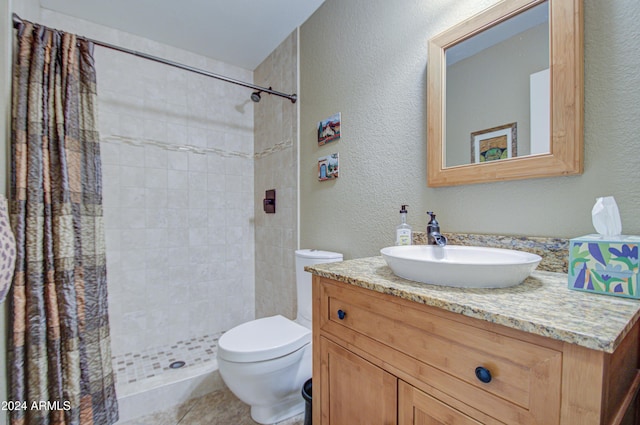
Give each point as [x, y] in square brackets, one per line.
[237, 32]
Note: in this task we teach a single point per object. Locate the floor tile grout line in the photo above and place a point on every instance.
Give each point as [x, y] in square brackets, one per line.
[188, 411]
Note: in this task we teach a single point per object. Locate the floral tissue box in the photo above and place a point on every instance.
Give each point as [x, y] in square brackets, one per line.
[605, 265]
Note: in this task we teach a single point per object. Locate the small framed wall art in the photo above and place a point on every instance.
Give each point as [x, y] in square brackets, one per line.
[329, 129]
[328, 167]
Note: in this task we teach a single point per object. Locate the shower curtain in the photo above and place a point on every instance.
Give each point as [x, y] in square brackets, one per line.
[59, 348]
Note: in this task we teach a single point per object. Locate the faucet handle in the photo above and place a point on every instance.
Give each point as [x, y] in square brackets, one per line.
[432, 220]
[433, 231]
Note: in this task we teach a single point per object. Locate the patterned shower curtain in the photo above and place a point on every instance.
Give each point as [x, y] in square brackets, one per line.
[59, 349]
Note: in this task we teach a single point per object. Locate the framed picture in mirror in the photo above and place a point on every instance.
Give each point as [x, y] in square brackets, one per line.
[494, 143]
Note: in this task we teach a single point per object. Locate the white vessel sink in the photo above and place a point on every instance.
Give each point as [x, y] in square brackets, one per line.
[460, 266]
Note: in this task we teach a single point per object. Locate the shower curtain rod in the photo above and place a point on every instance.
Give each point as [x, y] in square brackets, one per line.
[18, 22]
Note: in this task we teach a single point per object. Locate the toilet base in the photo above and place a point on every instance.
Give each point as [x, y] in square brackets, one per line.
[275, 413]
[273, 387]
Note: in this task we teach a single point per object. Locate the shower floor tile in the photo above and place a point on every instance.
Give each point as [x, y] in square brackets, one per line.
[216, 408]
[135, 367]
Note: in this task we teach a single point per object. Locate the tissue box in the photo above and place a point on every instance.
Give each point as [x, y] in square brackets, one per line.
[605, 265]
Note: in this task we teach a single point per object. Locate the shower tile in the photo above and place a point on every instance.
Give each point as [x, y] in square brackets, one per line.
[155, 178]
[132, 197]
[130, 218]
[113, 241]
[130, 115]
[233, 201]
[197, 181]
[130, 175]
[217, 206]
[216, 271]
[155, 128]
[198, 218]
[177, 160]
[155, 157]
[234, 252]
[132, 259]
[180, 322]
[111, 195]
[234, 183]
[235, 166]
[110, 155]
[156, 198]
[158, 238]
[198, 236]
[133, 239]
[178, 179]
[156, 258]
[237, 142]
[153, 91]
[198, 162]
[134, 304]
[198, 199]
[199, 273]
[161, 319]
[156, 278]
[216, 184]
[178, 198]
[178, 237]
[153, 195]
[132, 156]
[137, 366]
[215, 163]
[216, 234]
[133, 278]
[179, 295]
[156, 218]
[178, 218]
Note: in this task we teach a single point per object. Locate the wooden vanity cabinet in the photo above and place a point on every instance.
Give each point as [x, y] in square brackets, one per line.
[360, 392]
[382, 359]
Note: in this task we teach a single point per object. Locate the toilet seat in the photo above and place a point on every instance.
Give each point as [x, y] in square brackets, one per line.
[262, 339]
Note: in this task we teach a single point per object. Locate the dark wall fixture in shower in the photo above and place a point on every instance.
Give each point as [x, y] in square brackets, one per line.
[269, 201]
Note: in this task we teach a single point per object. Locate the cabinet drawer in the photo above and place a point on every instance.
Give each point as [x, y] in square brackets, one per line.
[523, 379]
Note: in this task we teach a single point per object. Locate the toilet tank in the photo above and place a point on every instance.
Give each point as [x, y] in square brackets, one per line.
[309, 257]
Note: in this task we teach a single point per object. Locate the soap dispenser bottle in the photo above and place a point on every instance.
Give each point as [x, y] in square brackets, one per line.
[403, 230]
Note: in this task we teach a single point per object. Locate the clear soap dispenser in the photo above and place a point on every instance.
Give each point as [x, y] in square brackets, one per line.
[403, 230]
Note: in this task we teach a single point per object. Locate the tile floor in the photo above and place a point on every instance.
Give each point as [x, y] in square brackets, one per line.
[217, 408]
[136, 367]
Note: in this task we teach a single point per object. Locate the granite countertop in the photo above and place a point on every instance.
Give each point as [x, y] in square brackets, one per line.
[541, 305]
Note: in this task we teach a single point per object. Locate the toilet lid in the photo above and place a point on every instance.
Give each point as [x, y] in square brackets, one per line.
[262, 339]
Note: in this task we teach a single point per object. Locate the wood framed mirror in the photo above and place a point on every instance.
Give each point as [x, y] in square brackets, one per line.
[508, 143]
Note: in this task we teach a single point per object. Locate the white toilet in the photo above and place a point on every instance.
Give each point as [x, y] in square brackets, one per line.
[266, 361]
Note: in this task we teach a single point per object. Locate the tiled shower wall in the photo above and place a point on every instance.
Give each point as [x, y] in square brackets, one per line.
[276, 127]
[178, 192]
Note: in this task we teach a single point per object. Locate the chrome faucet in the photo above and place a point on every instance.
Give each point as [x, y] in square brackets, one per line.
[433, 231]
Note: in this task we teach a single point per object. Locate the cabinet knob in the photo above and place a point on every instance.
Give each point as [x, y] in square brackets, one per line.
[341, 314]
[483, 374]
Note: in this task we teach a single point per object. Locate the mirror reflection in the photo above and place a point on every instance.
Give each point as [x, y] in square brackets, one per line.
[497, 91]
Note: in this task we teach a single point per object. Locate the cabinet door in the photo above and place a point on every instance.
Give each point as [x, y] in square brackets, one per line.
[354, 391]
[418, 408]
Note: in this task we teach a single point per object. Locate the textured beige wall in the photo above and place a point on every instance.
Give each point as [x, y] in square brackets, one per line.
[367, 59]
[276, 236]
